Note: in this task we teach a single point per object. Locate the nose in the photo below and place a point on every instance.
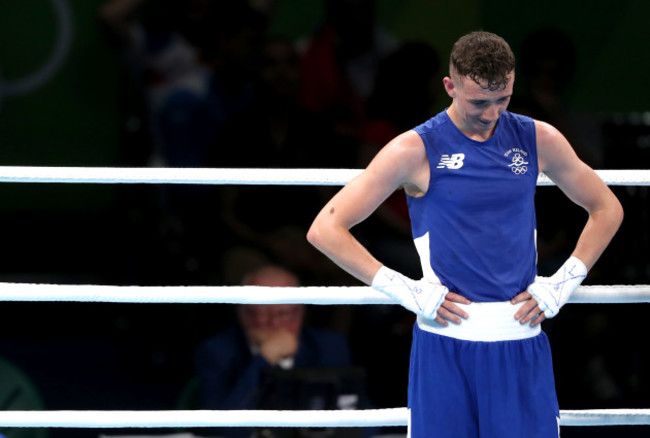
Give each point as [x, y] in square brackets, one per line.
[491, 113]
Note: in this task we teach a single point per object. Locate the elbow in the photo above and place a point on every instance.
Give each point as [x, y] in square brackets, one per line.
[314, 235]
[610, 212]
[619, 214]
[616, 212]
[321, 235]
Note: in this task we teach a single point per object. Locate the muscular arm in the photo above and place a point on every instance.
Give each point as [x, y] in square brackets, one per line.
[401, 163]
[584, 187]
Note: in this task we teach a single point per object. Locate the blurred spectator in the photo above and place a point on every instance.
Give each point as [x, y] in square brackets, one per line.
[159, 43]
[231, 365]
[406, 86]
[194, 61]
[548, 62]
[275, 132]
[340, 61]
[191, 118]
[405, 90]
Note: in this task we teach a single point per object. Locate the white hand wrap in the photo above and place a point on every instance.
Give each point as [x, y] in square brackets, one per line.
[421, 297]
[553, 292]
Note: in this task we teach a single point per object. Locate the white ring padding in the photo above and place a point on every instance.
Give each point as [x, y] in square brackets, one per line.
[168, 175]
[323, 295]
[249, 176]
[605, 417]
[252, 418]
[204, 418]
[192, 294]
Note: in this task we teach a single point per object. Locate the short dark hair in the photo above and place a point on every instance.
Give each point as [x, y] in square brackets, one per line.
[483, 57]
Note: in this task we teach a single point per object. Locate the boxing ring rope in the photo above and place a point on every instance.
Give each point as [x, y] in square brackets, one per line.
[252, 418]
[223, 176]
[323, 295]
[260, 295]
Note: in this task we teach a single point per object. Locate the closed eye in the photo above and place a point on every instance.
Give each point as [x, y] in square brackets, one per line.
[482, 103]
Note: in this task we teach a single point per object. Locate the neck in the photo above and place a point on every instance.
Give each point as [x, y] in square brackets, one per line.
[464, 127]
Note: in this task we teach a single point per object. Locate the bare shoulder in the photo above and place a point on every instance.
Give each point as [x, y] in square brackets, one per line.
[561, 164]
[553, 149]
[404, 158]
[547, 135]
[408, 144]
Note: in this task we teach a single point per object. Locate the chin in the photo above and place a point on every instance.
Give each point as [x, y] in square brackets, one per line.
[485, 127]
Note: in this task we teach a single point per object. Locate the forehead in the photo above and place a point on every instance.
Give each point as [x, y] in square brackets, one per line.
[474, 91]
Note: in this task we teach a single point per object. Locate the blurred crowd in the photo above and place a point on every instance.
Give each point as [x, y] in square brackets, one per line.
[215, 88]
[209, 85]
[218, 89]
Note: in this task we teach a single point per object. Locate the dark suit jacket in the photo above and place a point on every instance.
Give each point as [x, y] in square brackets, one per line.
[229, 373]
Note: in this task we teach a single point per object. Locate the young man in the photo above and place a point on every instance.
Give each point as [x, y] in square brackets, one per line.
[480, 365]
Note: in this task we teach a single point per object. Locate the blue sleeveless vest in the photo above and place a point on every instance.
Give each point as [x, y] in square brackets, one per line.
[475, 227]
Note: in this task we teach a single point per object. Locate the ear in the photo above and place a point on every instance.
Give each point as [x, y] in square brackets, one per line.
[449, 86]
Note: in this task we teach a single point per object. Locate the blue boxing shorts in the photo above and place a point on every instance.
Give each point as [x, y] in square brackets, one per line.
[488, 377]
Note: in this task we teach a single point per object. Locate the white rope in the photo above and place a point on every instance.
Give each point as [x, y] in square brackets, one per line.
[253, 418]
[605, 417]
[160, 175]
[148, 175]
[202, 418]
[261, 294]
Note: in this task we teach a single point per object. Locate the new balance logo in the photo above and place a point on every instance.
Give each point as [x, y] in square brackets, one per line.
[455, 161]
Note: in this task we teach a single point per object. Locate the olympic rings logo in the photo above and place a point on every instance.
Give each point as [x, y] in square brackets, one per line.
[519, 170]
[34, 80]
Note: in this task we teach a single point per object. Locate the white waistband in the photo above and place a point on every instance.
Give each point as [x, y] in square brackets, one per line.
[487, 322]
